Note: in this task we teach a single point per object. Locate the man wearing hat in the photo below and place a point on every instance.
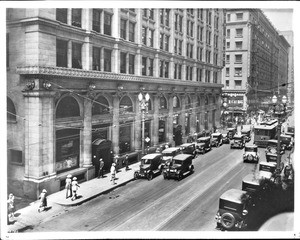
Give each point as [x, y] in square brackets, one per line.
[43, 200]
[100, 173]
[75, 187]
[113, 173]
[69, 186]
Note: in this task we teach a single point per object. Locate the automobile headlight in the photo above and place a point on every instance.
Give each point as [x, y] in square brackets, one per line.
[245, 212]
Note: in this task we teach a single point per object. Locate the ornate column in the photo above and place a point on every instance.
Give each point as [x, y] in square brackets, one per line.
[115, 123]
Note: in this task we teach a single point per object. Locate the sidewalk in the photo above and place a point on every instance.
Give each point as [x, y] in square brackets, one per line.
[28, 217]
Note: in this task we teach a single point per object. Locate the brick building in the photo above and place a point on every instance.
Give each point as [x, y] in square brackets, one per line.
[73, 79]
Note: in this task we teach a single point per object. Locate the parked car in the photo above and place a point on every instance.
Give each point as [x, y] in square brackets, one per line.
[237, 141]
[290, 131]
[204, 144]
[271, 150]
[247, 135]
[149, 166]
[287, 141]
[188, 148]
[251, 153]
[266, 169]
[250, 183]
[225, 138]
[216, 139]
[181, 164]
[232, 213]
[231, 132]
[167, 156]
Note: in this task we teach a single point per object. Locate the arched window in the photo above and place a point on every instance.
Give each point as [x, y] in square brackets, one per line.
[100, 106]
[126, 104]
[67, 107]
[163, 103]
[11, 111]
[198, 101]
[176, 103]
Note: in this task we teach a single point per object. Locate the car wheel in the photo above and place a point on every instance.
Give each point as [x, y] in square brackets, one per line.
[227, 220]
[165, 176]
[180, 176]
[250, 157]
[192, 168]
[150, 176]
[136, 175]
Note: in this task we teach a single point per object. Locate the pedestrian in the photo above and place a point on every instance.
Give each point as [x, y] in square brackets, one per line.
[113, 173]
[43, 200]
[75, 187]
[10, 205]
[69, 186]
[126, 162]
[101, 166]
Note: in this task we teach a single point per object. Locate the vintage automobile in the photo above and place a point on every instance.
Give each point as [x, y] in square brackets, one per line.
[231, 132]
[149, 166]
[266, 169]
[250, 183]
[251, 153]
[216, 139]
[167, 156]
[247, 135]
[290, 131]
[203, 144]
[271, 150]
[232, 213]
[287, 141]
[225, 138]
[237, 141]
[188, 148]
[181, 165]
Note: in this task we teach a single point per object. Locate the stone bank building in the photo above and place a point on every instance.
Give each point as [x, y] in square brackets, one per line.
[73, 80]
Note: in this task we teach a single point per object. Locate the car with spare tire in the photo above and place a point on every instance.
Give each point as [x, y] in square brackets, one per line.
[149, 166]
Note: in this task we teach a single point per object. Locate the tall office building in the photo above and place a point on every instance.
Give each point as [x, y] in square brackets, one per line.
[73, 80]
[256, 61]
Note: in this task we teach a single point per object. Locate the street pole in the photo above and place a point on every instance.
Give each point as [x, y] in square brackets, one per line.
[143, 131]
[143, 98]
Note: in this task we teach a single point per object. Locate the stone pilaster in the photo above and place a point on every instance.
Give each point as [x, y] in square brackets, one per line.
[154, 138]
[182, 114]
[193, 123]
[138, 128]
[116, 124]
[169, 136]
[87, 132]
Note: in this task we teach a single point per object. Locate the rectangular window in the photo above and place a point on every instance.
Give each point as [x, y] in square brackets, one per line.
[191, 50]
[131, 31]
[201, 14]
[107, 60]
[167, 17]
[238, 58]
[161, 40]
[227, 44]
[175, 45]
[192, 29]
[198, 53]
[175, 70]
[150, 68]
[62, 15]
[228, 17]
[145, 12]
[161, 16]
[227, 83]
[15, 156]
[201, 34]
[228, 33]
[96, 20]
[176, 22]
[239, 32]
[215, 77]
[167, 42]
[151, 13]
[238, 72]
[144, 66]
[151, 36]
[76, 55]
[188, 27]
[227, 58]
[187, 49]
[201, 73]
[209, 18]
[123, 29]
[187, 73]
[96, 58]
[179, 71]
[122, 62]
[238, 45]
[107, 24]
[216, 41]
[131, 64]
[201, 54]
[227, 72]
[166, 69]
[191, 73]
[76, 17]
[180, 23]
[161, 68]
[239, 16]
[238, 83]
[180, 47]
[144, 35]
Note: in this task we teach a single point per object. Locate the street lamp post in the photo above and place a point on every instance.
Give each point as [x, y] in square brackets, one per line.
[143, 99]
[279, 113]
[224, 113]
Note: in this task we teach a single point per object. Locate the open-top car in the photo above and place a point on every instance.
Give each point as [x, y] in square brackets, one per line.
[247, 134]
[216, 139]
[203, 144]
[237, 141]
[181, 165]
[149, 166]
[287, 141]
[271, 150]
[225, 138]
[188, 148]
[167, 156]
[251, 153]
[232, 213]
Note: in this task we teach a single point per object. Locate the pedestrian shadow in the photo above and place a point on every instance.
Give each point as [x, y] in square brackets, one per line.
[17, 214]
[79, 196]
[11, 222]
[30, 227]
[47, 208]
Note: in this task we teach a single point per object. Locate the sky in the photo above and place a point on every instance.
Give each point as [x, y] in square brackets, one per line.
[281, 18]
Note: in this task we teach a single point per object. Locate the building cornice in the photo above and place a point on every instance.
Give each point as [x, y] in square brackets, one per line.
[49, 72]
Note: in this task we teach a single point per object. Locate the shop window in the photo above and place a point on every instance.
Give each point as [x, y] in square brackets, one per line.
[76, 55]
[161, 131]
[11, 111]
[67, 149]
[62, 15]
[67, 107]
[100, 106]
[76, 17]
[125, 138]
[61, 53]
[126, 104]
